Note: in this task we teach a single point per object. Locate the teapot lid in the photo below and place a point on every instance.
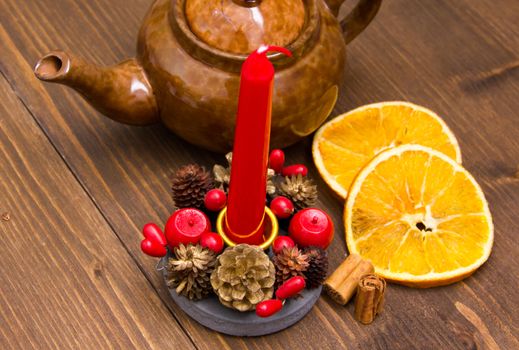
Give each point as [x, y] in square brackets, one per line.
[241, 26]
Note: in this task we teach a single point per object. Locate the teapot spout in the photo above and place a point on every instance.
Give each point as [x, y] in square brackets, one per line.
[121, 92]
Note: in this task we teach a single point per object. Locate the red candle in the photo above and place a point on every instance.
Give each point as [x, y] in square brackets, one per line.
[247, 190]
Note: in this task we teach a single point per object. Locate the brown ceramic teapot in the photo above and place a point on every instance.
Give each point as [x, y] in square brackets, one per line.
[187, 70]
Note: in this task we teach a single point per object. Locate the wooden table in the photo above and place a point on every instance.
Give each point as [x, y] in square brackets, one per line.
[75, 188]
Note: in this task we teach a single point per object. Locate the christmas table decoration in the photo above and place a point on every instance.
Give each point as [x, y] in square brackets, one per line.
[250, 263]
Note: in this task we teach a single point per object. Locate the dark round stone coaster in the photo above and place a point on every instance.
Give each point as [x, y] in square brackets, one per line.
[210, 313]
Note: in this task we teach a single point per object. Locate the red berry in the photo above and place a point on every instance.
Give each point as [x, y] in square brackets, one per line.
[154, 242]
[152, 248]
[212, 241]
[281, 243]
[154, 233]
[311, 227]
[268, 308]
[215, 200]
[295, 169]
[282, 207]
[292, 287]
[277, 160]
[186, 226]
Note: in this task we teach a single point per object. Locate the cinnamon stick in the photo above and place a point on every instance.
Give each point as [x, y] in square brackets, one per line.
[343, 282]
[370, 298]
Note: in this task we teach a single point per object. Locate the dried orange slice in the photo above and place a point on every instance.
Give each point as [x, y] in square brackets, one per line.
[345, 144]
[419, 216]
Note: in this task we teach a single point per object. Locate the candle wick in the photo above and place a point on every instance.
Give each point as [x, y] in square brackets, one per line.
[315, 219]
[191, 222]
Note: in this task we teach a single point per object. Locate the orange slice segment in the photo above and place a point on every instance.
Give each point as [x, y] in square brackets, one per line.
[344, 145]
[419, 216]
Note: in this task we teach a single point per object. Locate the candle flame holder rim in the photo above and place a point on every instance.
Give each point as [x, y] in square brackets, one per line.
[274, 232]
[260, 226]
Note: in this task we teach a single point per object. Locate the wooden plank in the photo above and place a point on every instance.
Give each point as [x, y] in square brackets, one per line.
[147, 197]
[432, 53]
[65, 279]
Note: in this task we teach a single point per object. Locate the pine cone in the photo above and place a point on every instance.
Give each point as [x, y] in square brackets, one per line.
[190, 270]
[244, 276]
[289, 262]
[222, 175]
[189, 186]
[317, 266]
[300, 190]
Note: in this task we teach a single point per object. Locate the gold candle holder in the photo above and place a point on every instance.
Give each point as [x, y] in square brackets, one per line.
[274, 228]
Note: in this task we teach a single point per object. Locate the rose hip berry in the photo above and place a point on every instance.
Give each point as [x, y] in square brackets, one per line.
[268, 308]
[282, 207]
[154, 242]
[215, 200]
[292, 287]
[281, 243]
[294, 170]
[212, 241]
[277, 160]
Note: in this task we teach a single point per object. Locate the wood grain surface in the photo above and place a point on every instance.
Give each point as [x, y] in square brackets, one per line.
[78, 187]
[66, 279]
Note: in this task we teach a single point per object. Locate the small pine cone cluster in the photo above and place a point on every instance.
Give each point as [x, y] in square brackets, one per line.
[222, 176]
[189, 271]
[300, 189]
[289, 262]
[189, 186]
[317, 266]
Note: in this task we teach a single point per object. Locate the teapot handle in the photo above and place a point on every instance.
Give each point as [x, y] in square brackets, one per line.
[358, 19]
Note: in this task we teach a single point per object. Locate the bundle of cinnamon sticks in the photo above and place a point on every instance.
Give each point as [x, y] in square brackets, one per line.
[356, 275]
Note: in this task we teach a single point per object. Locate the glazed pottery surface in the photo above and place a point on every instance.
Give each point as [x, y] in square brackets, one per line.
[187, 70]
